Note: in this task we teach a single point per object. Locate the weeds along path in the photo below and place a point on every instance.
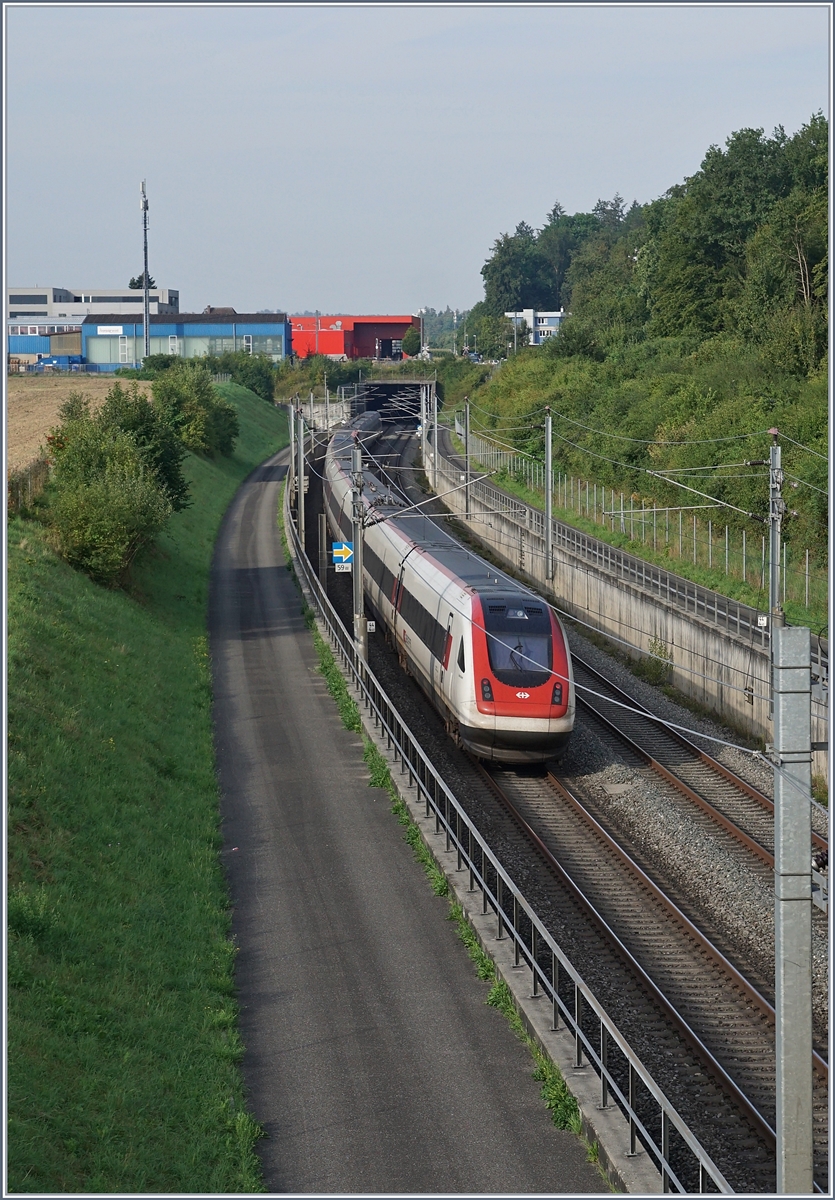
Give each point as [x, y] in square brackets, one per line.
[122, 1024]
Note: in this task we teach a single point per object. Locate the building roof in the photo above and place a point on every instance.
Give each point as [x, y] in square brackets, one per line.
[346, 322]
[218, 317]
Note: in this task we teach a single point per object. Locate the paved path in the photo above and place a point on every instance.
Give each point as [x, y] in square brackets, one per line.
[372, 1060]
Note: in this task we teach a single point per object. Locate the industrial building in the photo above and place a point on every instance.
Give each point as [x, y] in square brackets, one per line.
[53, 305]
[345, 337]
[103, 343]
[109, 341]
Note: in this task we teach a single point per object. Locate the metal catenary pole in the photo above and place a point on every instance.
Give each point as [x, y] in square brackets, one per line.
[549, 487]
[792, 756]
[467, 456]
[360, 622]
[424, 393]
[300, 476]
[777, 508]
[434, 437]
[291, 420]
[143, 204]
[323, 550]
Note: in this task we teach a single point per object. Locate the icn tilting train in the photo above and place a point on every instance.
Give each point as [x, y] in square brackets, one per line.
[492, 657]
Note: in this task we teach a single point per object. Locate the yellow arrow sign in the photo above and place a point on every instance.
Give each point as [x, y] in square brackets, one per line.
[343, 550]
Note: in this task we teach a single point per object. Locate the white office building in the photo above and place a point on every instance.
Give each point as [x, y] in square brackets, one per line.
[541, 325]
[45, 310]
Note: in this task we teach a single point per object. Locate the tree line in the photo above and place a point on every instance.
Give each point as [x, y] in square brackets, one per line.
[740, 247]
[696, 322]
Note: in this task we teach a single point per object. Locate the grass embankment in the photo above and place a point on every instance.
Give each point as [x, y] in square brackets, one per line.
[122, 1034]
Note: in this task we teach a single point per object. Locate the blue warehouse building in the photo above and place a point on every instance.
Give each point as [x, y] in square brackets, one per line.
[108, 342]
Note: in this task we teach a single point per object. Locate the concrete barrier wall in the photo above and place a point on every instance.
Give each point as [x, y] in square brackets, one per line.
[716, 667]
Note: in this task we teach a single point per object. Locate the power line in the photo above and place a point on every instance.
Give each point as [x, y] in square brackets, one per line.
[808, 449]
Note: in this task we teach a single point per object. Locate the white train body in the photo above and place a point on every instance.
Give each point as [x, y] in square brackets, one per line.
[493, 658]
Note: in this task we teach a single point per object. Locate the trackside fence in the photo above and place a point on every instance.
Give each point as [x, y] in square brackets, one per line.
[674, 532]
[25, 483]
[624, 1080]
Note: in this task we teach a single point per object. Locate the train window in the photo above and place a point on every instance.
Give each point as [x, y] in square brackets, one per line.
[461, 663]
[518, 643]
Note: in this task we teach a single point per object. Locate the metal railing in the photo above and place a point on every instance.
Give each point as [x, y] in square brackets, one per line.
[624, 1080]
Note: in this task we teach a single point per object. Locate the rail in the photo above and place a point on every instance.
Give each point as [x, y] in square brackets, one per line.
[506, 900]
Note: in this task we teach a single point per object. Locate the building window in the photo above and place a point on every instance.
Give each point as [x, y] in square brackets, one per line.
[248, 343]
[173, 344]
[123, 350]
[28, 299]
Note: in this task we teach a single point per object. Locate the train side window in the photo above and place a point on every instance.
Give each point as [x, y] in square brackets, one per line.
[461, 665]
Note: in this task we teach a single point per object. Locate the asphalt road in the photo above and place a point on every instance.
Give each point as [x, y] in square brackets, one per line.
[372, 1060]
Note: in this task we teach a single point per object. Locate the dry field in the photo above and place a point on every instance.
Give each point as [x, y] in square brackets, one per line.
[33, 403]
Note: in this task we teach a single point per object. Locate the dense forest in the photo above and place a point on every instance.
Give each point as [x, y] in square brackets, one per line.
[697, 322]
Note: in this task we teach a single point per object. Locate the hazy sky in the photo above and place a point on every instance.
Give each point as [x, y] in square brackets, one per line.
[364, 158]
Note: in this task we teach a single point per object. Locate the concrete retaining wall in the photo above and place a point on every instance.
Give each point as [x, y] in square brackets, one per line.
[714, 666]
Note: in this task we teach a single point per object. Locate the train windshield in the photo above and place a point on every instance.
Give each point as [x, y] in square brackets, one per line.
[518, 641]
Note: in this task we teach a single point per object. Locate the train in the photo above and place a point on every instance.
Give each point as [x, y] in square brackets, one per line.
[492, 657]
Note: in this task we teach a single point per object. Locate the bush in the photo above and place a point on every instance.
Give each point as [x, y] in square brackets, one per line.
[116, 480]
[253, 371]
[185, 398]
[161, 448]
[102, 518]
[152, 366]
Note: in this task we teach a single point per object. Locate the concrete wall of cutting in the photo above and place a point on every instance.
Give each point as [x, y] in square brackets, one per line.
[719, 669]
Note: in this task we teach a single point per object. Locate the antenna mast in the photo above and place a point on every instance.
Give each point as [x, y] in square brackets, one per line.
[143, 204]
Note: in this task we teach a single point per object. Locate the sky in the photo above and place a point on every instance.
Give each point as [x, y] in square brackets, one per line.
[364, 158]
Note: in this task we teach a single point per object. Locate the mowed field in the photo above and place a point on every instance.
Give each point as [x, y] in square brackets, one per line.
[33, 406]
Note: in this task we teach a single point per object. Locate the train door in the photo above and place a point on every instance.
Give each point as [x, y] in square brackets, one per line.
[448, 676]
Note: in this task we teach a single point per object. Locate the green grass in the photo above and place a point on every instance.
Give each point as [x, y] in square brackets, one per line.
[122, 1020]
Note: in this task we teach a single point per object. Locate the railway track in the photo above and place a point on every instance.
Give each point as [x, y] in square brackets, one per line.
[731, 802]
[723, 1020]
[706, 1030]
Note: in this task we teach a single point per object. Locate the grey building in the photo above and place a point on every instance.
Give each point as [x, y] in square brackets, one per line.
[54, 305]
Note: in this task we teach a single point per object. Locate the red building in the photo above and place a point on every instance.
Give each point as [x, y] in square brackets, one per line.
[350, 337]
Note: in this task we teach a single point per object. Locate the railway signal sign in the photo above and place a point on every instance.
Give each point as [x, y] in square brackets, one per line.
[343, 556]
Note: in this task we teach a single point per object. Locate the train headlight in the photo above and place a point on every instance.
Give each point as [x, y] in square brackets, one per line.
[556, 695]
[486, 690]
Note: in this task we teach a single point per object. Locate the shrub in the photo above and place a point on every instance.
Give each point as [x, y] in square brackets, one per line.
[115, 482]
[253, 371]
[161, 448]
[186, 399]
[102, 519]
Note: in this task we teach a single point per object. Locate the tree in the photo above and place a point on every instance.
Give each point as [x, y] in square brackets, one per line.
[517, 275]
[411, 341]
[185, 397]
[137, 283]
[106, 500]
[128, 410]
